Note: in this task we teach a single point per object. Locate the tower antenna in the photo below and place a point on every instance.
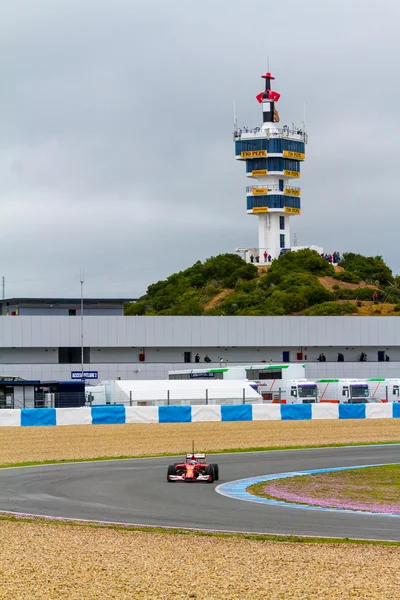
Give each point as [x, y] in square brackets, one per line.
[268, 64]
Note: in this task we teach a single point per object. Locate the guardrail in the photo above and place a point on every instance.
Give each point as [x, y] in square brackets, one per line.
[116, 415]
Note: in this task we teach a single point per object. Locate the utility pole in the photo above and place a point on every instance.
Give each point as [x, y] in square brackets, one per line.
[3, 287]
[82, 280]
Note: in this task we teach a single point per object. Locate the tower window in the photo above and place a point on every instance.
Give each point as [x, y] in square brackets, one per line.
[281, 223]
[281, 185]
[282, 240]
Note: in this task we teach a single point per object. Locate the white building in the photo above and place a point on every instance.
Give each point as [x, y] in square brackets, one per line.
[48, 347]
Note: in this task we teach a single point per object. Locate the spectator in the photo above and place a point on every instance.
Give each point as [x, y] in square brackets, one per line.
[269, 258]
[375, 297]
[257, 259]
[265, 256]
[321, 357]
[340, 357]
[207, 359]
[363, 357]
[197, 358]
[251, 258]
[387, 358]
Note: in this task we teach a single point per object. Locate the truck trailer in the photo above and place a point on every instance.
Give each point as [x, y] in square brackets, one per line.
[349, 391]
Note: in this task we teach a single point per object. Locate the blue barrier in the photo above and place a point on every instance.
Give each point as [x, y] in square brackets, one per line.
[296, 412]
[174, 414]
[237, 412]
[351, 411]
[116, 414]
[34, 417]
[108, 415]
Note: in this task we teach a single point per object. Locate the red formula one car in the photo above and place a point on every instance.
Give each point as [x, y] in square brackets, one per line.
[193, 468]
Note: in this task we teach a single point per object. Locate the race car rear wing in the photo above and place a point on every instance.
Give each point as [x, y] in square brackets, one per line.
[195, 456]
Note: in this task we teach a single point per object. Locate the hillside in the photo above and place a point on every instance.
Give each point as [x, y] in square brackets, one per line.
[300, 283]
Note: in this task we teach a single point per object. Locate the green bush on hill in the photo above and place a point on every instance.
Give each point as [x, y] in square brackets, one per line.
[289, 286]
[331, 309]
[371, 269]
[302, 261]
[187, 292]
[357, 294]
[347, 277]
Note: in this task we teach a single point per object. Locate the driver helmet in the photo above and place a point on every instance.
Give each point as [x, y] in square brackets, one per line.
[193, 462]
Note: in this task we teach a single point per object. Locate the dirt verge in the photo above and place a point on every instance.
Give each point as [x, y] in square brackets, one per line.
[22, 444]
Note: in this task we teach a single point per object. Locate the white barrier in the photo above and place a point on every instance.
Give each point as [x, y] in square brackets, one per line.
[206, 413]
[141, 414]
[74, 416]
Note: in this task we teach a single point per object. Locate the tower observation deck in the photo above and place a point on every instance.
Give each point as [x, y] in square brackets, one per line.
[273, 156]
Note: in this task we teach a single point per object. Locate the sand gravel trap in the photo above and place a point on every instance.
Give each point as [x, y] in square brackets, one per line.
[20, 444]
[67, 562]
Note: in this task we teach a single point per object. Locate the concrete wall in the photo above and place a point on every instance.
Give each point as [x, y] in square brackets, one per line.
[106, 355]
[201, 332]
[29, 345]
[46, 372]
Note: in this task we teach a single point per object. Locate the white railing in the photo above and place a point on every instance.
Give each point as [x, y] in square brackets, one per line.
[271, 188]
[276, 132]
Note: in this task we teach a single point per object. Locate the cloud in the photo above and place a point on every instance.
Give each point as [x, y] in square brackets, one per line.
[116, 152]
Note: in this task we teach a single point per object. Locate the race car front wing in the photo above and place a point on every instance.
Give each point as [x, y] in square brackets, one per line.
[200, 477]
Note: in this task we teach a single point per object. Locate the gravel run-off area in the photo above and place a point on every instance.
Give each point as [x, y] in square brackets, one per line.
[61, 561]
[21, 444]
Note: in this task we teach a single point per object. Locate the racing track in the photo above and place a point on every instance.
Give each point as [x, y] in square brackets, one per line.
[136, 491]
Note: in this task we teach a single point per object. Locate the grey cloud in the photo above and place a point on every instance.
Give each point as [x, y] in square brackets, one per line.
[116, 151]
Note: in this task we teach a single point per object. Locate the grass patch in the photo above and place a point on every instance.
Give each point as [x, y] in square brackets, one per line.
[167, 454]
[260, 537]
[375, 489]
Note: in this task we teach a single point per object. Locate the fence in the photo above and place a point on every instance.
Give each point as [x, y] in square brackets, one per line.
[165, 398]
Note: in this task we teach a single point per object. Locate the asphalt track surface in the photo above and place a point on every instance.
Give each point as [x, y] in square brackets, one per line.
[136, 492]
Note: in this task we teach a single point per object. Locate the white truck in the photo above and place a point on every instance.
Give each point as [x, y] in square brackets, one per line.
[302, 392]
[349, 391]
[384, 390]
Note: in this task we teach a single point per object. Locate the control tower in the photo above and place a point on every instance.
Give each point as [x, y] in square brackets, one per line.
[273, 156]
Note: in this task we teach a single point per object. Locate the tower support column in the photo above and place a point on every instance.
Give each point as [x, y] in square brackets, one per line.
[273, 233]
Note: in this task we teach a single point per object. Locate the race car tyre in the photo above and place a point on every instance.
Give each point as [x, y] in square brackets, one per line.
[216, 471]
[171, 471]
[210, 472]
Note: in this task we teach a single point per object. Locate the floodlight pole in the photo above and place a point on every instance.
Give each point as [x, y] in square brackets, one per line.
[82, 282]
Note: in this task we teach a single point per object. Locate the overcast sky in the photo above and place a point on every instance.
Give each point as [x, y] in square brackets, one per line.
[116, 151]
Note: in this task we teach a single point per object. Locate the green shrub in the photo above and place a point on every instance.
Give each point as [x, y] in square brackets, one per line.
[369, 268]
[302, 261]
[346, 276]
[397, 308]
[357, 294]
[332, 309]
